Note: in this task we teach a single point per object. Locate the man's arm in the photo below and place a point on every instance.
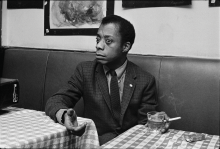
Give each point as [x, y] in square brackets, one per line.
[148, 102]
[66, 97]
[60, 106]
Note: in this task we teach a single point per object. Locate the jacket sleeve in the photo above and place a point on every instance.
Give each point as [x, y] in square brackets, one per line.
[148, 101]
[67, 96]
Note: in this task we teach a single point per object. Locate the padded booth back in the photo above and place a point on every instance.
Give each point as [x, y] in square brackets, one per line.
[60, 67]
[187, 87]
[29, 67]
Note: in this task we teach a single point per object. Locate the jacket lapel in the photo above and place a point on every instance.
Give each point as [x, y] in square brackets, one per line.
[103, 85]
[129, 86]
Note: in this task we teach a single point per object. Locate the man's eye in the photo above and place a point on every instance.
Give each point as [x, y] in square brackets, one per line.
[108, 41]
[97, 40]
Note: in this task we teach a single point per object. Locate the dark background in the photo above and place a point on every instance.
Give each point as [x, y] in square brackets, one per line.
[21, 4]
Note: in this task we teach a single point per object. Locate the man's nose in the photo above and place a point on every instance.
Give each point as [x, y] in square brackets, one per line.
[100, 45]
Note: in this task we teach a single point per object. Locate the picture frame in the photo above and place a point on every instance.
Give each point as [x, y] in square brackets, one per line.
[214, 3]
[154, 3]
[69, 29]
[24, 4]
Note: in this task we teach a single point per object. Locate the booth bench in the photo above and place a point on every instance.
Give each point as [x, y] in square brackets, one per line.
[187, 87]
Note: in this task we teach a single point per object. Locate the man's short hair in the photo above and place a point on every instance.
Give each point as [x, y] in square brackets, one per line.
[126, 29]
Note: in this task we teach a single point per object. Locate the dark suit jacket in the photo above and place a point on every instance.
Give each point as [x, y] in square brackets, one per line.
[89, 82]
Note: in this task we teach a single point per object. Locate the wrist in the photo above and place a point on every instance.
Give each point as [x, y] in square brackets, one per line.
[63, 117]
[59, 114]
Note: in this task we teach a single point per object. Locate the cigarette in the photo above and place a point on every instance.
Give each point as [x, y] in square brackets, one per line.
[175, 118]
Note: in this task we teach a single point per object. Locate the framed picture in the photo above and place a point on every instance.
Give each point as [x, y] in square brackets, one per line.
[75, 17]
[24, 4]
[214, 3]
[154, 3]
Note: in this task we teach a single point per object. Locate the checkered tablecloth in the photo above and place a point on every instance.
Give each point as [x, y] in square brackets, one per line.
[24, 128]
[139, 137]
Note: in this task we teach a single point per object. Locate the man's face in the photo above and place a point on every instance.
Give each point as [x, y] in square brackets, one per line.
[108, 48]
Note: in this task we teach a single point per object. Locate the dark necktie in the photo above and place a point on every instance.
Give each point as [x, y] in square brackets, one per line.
[115, 97]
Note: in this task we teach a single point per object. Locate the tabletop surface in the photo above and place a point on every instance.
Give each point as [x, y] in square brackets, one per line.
[139, 137]
[24, 128]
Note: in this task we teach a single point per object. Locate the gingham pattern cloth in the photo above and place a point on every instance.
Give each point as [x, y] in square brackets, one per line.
[139, 137]
[24, 128]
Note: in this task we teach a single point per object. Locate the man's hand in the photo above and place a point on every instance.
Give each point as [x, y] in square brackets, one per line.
[71, 123]
[167, 125]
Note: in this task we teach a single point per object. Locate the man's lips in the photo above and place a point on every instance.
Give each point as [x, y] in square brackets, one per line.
[99, 55]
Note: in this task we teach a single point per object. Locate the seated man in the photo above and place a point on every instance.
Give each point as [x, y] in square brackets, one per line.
[117, 93]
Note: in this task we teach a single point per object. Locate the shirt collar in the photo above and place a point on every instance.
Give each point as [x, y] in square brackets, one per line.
[119, 71]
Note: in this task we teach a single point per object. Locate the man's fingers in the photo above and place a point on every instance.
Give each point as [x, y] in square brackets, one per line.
[72, 124]
[73, 117]
[166, 117]
[70, 112]
[166, 127]
[167, 123]
[163, 130]
[78, 128]
[78, 131]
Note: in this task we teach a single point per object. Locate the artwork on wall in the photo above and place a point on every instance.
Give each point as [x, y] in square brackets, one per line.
[24, 4]
[75, 17]
[153, 3]
[214, 3]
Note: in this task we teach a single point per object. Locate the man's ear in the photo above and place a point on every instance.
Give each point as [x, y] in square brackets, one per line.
[126, 46]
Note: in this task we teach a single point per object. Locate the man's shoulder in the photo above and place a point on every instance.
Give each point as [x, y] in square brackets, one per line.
[139, 71]
[86, 64]
[87, 67]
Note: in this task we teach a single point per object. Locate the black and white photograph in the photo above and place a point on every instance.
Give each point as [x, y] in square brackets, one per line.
[110, 74]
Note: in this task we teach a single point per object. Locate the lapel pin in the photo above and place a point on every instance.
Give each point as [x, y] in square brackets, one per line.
[131, 85]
